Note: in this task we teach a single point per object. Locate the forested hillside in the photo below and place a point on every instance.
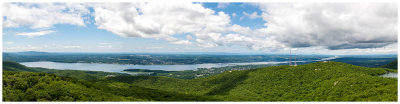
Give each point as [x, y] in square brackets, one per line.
[30, 86]
[39, 85]
[330, 81]
[320, 81]
[391, 65]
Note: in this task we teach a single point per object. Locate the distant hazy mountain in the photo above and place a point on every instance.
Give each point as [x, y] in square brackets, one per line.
[30, 53]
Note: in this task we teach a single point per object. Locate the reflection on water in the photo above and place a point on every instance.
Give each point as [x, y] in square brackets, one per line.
[390, 74]
[119, 67]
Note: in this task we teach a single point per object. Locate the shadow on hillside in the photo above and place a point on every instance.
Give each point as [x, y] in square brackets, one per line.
[228, 83]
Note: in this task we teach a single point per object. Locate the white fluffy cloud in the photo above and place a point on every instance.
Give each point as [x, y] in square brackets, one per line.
[105, 45]
[252, 42]
[147, 20]
[43, 15]
[34, 34]
[233, 14]
[253, 15]
[332, 25]
[222, 5]
[159, 20]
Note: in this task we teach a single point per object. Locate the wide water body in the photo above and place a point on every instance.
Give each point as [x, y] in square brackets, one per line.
[119, 67]
[390, 75]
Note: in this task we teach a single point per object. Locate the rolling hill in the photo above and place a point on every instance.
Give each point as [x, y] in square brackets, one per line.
[330, 81]
[320, 81]
[22, 83]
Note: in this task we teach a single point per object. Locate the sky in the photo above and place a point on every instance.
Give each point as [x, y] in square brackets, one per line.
[165, 27]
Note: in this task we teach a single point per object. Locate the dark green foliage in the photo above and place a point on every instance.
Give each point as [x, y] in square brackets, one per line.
[320, 81]
[330, 81]
[226, 83]
[33, 86]
[147, 70]
[130, 90]
[13, 66]
[391, 65]
[85, 75]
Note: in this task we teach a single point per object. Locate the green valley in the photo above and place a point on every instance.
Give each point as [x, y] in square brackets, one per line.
[22, 83]
[319, 81]
[190, 51]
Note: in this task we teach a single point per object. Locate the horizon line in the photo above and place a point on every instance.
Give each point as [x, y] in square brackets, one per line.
[204, 53]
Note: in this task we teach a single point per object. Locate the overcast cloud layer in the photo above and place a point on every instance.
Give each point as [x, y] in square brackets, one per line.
[332, 26]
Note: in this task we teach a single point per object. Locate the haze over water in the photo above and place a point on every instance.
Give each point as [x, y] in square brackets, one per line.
[120, 67]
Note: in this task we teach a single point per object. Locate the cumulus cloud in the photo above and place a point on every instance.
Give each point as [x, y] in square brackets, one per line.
[181, 42]
[42, 15]
[105, 45]
[233, 14]
[209, 28]
[189, 37]
[253, 15]
[332, 25]
[252, 42]
[222, 5]
[159, 20]
[34, 34]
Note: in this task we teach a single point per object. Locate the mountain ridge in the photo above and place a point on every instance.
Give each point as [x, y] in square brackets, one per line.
[319, 81]
[310, 82]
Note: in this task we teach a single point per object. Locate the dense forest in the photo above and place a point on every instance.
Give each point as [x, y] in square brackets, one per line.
[391, 65]
[22, 83]
[319, 81]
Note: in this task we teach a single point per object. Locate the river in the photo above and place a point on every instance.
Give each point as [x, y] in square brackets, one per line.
[121, 67]
[390, 75]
